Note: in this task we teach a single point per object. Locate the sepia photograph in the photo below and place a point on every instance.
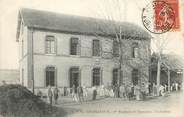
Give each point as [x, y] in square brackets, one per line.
[94, 58]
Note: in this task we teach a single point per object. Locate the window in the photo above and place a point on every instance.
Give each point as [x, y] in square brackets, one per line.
[96, 77]
[96, 48]
[115, 77]
[135, 50]
[74, 46]
[74, 76]
[50, 45]
[50, 76]
[135, 76]
[115, 48]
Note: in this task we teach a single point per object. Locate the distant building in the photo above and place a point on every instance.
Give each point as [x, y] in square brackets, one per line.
[9, 76]
[173, 63]
[62, 50]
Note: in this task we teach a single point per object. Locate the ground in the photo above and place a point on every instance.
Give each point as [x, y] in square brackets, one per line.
[167, 106]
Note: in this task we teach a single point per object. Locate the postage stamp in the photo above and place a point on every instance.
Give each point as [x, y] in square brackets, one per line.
[174, 4]
[158, 17]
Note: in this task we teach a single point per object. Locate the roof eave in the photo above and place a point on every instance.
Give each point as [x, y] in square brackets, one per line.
[84, 33]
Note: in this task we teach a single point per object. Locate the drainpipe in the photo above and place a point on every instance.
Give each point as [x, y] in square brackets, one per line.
[32, 60]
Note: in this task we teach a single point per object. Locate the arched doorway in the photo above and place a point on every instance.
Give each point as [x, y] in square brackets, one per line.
[135, 76]
[74, 76]
[50, 76]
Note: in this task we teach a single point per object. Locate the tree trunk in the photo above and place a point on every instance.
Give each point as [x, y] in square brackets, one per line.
[158, 77]
[169, 80]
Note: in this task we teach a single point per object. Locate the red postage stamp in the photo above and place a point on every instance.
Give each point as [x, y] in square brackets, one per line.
[161, 16]
[174, 4]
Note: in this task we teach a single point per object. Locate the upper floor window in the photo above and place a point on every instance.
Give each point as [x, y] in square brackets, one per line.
[50, 45]
[115, 48]
[74, 46]
[96, 48]
[135, 50]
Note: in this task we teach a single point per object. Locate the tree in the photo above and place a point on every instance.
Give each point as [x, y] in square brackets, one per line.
[120, 31]
[115, 10]
[170, 64]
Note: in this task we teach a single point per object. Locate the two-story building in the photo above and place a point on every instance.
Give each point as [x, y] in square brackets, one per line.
[62, 50]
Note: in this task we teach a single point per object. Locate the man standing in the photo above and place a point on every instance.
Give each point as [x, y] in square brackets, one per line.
[94, 92]
[80, 93]
[154, 89]
[49, 94]
[56, 91]
[128, 91]
[143, 91]
[122, 91]
[137, 92]
[176, 85]
[116, 90]
[102, 90]
[74, 93]
[85, 91]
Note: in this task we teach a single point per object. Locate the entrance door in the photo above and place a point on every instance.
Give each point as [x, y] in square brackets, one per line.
[74, 77]
[50, 76]
[135, 76]
[115, 77]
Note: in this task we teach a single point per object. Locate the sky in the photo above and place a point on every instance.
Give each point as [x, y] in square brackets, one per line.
[131, 12]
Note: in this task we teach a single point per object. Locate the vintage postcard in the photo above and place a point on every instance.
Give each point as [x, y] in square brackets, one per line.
[91, 58]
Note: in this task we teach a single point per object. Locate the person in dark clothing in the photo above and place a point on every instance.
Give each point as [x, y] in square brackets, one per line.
[56, 94]
[94, 93]
[116, 91]
[50, 95]
[65, 91]
[128, 91]
[80, 93]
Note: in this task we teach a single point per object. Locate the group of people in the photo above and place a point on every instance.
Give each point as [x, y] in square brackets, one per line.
[78, 93]
[162, 89]
[129, 91]
[123, 91]
[175, 86]
[53, 94]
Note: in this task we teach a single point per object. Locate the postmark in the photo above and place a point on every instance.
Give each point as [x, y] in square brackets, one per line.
[158, 17]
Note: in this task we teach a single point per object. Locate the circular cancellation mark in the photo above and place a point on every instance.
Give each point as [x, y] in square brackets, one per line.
[158, 17]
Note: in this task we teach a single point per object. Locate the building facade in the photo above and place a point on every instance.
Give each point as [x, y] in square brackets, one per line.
[62, 50]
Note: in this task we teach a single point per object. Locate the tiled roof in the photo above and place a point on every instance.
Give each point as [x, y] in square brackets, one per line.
[77, 24]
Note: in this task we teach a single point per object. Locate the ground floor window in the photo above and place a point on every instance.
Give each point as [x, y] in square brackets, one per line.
[96, 77]
[50, 76]
[135, 76]
[115, 77]
[74, 77]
